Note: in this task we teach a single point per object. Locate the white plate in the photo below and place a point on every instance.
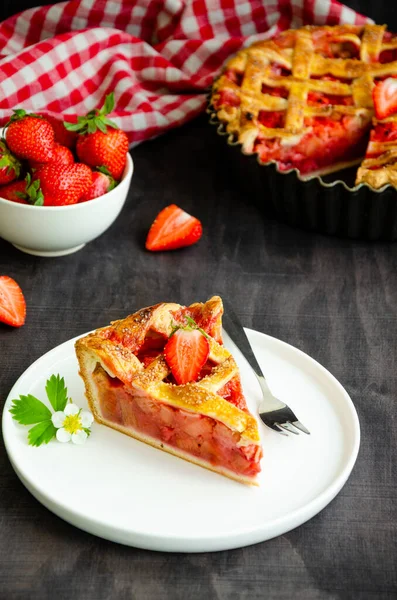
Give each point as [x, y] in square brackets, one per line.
[128, 492]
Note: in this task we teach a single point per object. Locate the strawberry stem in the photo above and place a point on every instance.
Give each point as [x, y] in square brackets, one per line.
[95, 119]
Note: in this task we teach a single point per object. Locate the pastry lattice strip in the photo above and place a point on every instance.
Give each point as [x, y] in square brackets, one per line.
[257, 64]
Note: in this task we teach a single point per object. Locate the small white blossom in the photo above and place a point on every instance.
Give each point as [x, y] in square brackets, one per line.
[72, 423]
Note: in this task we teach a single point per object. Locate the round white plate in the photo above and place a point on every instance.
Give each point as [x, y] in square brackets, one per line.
[128, 492]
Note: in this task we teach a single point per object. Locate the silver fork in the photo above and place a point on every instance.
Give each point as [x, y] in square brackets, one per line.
[275, 414]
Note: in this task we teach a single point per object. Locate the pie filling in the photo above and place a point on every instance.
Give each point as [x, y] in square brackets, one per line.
[326, 143]
[197, 436]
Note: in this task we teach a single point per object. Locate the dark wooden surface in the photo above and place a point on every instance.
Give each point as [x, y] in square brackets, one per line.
[334, 299]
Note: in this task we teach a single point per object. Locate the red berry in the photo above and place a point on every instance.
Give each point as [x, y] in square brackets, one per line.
[30, 137]
[23, 192]
[15, 192]
[100, 142]
[186, 352]
[101, 184]
[385, 98]
[10, 167]
[104, 150]
[12, 302]
[61, 155]
[64, 184]
[173, 228]
[62, 135]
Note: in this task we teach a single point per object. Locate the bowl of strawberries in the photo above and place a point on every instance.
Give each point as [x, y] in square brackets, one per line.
[61, 184]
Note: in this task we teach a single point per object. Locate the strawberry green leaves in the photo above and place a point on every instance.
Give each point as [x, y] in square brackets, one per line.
[42, 433]
[95, 119]
[56, 391]
[28, 410]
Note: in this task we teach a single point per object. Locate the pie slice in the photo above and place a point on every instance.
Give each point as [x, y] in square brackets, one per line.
[131, 387]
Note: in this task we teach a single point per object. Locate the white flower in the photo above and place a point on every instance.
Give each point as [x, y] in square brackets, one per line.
[72, 423]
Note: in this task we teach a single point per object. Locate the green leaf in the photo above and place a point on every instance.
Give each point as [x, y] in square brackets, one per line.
[104, 170]
[109, 103]
[39, 200]
[28, 410]
[111, 123]
[72, 126]
[100, 124]
[91, 127]
[57, 392]
[42, 433]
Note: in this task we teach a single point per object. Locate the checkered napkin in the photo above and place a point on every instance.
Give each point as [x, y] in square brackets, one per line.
[158, 56]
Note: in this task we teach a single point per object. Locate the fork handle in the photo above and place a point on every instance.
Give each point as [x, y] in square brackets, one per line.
[269, 401]
[236, 332]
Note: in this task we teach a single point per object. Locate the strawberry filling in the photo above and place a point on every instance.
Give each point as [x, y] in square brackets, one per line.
[227, 98]
[234, 76]
[197, 436]
[280, 92]
[272, 119]
[390, 54]
[384, 132]
[316, 98]
[327, 143]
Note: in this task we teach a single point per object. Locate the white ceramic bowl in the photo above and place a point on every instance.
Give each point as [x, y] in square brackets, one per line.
[60, 230]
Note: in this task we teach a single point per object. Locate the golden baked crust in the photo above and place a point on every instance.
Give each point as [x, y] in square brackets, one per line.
[305, 68]
[115, 347]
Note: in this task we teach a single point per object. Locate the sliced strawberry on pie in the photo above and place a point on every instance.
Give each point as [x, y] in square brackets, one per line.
[186, 353]
[385, 98]
[182, 394]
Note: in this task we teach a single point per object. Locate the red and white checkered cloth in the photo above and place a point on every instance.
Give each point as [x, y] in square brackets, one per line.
[158, 56]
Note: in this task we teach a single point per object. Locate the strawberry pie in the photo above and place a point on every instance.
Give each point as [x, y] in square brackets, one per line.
[162, 376]
[313, 99]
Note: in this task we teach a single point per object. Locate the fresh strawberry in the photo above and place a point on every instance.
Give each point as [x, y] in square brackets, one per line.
[173, 228]
[101, 143]
[62, 135]
[186, 352]
[23, 192]
[64, 184]
[12, 302]
[61, 155]
[30, 136]
[10, 167]
[101, 184]
[385, 98]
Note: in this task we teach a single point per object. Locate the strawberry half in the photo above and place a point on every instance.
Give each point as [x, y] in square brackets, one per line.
[173, 228]
[12, 302]
[385, 98]
[186, 352]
